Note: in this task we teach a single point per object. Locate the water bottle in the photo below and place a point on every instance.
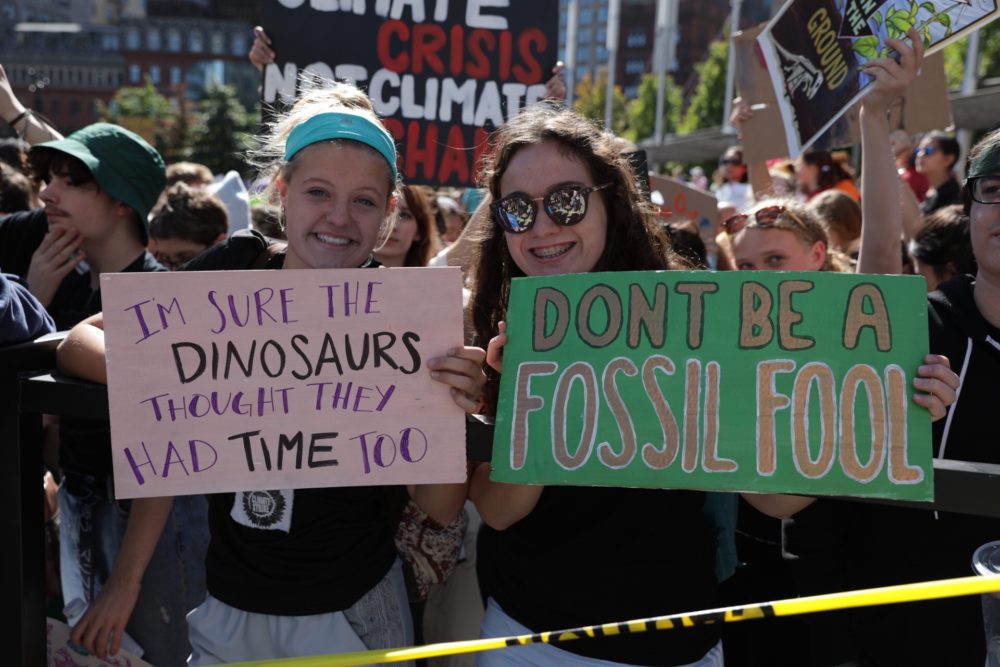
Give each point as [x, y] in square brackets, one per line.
[986, 561]
[75, 610]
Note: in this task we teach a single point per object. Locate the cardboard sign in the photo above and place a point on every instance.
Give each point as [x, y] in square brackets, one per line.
[441, 74]
[60, 652]
[683, 202]
[815, 51]
[760, 381]
[257, 380]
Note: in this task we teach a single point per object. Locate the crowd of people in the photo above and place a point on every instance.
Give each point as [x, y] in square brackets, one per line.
[192, 580]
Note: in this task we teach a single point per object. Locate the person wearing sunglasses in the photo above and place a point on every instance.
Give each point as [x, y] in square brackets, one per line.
[564, 200]
[735, 185]
[781, 235]
[937, 156]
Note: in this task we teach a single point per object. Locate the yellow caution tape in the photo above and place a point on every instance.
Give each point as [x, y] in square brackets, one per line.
[928, 590]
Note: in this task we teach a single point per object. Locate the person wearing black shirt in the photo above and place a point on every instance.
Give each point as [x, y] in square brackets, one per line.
[101, 183]
[311, 571]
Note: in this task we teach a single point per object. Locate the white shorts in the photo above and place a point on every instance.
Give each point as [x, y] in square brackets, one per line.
[220, 633]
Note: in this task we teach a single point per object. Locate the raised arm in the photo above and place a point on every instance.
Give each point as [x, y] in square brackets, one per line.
[22, 120]
[882, 221]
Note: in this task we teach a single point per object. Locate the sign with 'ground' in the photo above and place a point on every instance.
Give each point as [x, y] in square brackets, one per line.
[764, 381]
[256, 380]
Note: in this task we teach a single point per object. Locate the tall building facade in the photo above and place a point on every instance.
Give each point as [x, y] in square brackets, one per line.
[699, 23]
[65, 56]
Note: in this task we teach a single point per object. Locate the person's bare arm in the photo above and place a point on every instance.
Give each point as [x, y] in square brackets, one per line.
[28, 126]
[81, 353]
[913, 217]
[101, 628]
[882, 217]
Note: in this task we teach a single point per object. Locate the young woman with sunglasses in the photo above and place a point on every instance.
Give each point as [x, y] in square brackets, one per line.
[781, 235]
[319, 573]
[565, 201]
[735, 188]
[937, 156]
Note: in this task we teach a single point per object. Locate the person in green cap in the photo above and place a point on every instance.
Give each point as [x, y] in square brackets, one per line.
[895, 545]
[100, 184]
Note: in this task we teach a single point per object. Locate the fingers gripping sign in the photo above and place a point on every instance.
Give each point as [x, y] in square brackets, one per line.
[462, 371]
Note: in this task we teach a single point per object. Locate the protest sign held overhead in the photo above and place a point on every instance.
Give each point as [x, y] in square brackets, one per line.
[442, 74]
[770, 382]
[263, 380]
[924, 106]
[816, 50]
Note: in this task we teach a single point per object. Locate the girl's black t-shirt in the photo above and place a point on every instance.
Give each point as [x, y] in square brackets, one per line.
[339, 542]
[592, 555]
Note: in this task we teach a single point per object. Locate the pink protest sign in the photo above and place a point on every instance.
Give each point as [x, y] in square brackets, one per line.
[258, 380]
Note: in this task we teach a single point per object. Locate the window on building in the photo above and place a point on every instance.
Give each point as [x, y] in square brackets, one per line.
[635, 40]
[132, 38]
[110, 42]
[154, 74]
[174, 39]
[217, 43]
[586, 17]
[585, 38]
[175, 76]
[631, 92]
[602, 54]
[602, 14]
[635, 66]
[134, 74]
[153, 39]
[55, 106]
[196, 41]
[240, 47]
[74, 106]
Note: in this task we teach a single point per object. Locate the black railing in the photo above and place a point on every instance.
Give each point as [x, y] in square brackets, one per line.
[29, 389]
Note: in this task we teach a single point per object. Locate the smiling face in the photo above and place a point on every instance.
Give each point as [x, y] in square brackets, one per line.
[336, 197]
[548, 248]
[771, 249]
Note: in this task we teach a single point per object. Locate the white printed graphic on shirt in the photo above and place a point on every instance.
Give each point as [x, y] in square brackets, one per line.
[265, 510]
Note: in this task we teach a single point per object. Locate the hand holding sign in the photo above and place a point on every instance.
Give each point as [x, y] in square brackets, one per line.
[892, 77]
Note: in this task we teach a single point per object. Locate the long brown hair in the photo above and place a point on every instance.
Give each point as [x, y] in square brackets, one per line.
[634, 241]
[426, 244]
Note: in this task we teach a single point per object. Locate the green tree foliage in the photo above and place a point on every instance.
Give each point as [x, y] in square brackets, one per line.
[219, 137]
[641, 111]
[145, 111]
[989, 56]
[590, 98]
[708, 100]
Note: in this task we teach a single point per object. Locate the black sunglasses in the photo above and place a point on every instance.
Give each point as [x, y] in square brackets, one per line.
[764, 218]
[565, 205]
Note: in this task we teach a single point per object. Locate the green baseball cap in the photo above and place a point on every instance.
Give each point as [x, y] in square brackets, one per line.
[123, 164]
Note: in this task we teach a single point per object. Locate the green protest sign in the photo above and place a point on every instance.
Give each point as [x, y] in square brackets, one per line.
[762, 381]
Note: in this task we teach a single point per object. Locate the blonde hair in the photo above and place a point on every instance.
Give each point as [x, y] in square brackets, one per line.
[806, 227]
[317, 94]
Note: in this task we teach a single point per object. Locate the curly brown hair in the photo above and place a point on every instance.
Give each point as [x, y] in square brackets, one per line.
[634, 241]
